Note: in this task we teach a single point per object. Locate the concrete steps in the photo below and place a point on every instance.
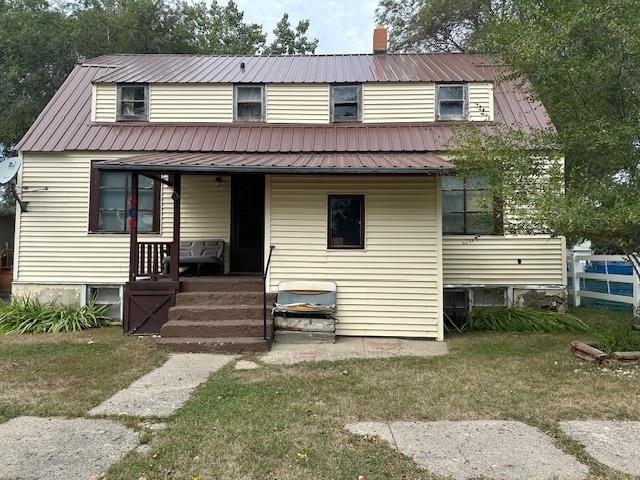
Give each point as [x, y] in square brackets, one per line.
[215, 345]
[218, 314]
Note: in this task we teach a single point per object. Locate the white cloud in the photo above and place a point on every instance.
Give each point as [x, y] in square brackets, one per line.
[341, 26]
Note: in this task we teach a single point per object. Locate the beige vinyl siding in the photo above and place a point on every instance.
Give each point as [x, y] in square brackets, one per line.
[297, 103]
[205, 207]
[103, 102]
[398, 102]
[53, 240]
[174, 102]
[493, 260]
[392, 288]
[480, 97]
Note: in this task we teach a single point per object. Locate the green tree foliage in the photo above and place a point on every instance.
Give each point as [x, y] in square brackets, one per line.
[436, 25]
[289, 41]
[581, 58]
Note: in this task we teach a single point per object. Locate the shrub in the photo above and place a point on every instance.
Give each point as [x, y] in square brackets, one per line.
[620, 338]
[28, 315]
[500, 319]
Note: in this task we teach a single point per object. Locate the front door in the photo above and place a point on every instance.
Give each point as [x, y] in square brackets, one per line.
[247, 224]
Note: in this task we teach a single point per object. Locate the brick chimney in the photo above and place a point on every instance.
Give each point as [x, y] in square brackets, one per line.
[380, 39]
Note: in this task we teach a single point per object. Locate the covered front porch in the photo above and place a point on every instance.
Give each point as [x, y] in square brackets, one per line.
[273, 217]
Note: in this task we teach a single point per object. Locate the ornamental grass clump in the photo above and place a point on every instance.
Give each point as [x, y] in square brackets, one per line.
[620, 338]
[500, 319]
[28, 315]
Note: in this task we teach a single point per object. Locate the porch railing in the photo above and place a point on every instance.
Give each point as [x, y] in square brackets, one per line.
[151, 257]
[264, 293]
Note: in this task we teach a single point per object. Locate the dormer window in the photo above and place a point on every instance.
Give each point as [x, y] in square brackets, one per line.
[452, 101]
[133, 102]
[248, 103]
[346, 103]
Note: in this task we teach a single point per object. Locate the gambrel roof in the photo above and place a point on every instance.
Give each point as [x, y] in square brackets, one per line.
[65, 123]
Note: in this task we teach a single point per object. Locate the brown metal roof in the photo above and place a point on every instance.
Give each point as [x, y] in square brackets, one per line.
[282, 162]
[65, 124]
[297, 68]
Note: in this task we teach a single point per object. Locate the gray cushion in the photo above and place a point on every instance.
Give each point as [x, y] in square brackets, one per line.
[200, 251]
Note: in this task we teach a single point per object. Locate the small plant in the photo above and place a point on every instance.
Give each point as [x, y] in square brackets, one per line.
[620, 338]
[500, 319]
[28, 315]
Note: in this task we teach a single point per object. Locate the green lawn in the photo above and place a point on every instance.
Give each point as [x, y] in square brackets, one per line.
[286, 422]
[68, 373]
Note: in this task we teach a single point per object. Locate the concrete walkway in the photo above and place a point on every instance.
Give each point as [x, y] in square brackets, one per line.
[504, 450]
[33, 448]
[164, 390]
[613, 443]
[353, 347]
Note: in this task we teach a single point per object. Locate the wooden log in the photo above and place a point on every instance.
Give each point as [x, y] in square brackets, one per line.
[589, 353]
[306, 324]
[627, 356]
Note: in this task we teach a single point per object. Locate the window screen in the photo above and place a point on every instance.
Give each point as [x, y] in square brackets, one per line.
[249, 103]
[452, 102]
[346, 221]
[467, 206]
[133, 102]
[110, 203]
[345, 103]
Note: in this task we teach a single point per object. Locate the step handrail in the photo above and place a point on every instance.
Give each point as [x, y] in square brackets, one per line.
[264, 293]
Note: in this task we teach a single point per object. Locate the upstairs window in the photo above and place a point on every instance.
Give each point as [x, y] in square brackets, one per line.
[109, 202]
[248, 103]
[452, 102]
[133, 102]
[346, 103]
[467, 206]
[346, 222]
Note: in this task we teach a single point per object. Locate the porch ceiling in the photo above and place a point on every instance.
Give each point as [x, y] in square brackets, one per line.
[374, 162]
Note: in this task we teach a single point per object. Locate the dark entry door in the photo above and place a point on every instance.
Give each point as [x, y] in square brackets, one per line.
[247, 224]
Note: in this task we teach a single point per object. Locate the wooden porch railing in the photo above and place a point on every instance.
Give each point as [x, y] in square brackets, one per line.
[151, 257]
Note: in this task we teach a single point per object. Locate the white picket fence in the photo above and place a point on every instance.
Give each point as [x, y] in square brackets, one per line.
[577, 266]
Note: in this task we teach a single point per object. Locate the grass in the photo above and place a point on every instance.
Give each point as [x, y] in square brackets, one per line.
[500, 319]
[286, 422]
[68, 373]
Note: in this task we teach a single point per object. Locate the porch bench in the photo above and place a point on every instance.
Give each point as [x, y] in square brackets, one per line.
[199, 255]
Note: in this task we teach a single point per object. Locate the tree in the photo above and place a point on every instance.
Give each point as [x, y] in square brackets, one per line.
[289, 41]
[436, 25]
[582, 58]
[222, 30]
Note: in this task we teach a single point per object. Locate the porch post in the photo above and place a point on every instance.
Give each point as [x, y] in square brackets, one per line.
[133, 228]
[175, 246]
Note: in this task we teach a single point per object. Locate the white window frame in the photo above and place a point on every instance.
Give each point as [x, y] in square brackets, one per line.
[465, 103]
[84, 297]
[358, 118]
[235, 103]
[132, 118]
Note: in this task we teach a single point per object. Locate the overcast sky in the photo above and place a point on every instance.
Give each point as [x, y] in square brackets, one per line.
[341, 26]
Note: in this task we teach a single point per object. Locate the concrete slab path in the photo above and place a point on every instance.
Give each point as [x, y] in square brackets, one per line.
[161, 392]
[353, 347]
[59, 448]
[501, 450]
[615, 444]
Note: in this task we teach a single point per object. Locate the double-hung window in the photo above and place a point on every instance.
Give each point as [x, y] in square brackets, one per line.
[248, 103]
[133, 102]
[346, 103]
[110, 202]
[345, 222]
[468, 207]
[452, 101]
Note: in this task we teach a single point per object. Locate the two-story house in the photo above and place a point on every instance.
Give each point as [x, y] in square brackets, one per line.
[337, 161]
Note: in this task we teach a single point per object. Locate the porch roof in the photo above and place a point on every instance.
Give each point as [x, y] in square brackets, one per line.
[370, 162]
